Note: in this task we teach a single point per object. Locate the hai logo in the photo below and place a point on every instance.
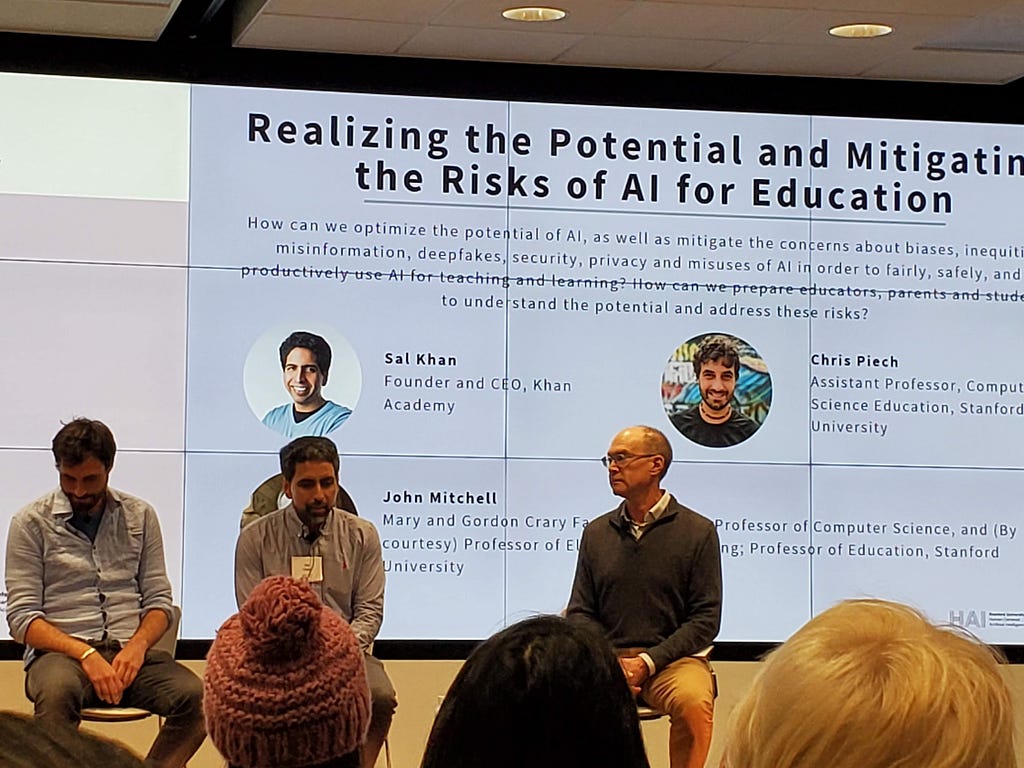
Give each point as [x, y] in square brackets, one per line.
[968, 619]
[983, 619]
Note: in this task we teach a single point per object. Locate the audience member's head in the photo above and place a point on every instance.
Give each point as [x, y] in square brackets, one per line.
[540, 693]
[28, 743]
[872, 684]
[285, 683]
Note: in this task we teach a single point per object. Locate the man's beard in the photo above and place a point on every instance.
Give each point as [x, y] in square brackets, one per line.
[706, 399]
[84, 505]
[316, 514]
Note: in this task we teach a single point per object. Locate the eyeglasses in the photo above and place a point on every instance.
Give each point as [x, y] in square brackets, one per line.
[620, 459]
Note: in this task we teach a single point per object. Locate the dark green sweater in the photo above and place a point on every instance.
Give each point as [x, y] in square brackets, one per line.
[662, 593]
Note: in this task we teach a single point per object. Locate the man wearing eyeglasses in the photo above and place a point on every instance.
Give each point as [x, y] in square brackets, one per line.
[649, 578]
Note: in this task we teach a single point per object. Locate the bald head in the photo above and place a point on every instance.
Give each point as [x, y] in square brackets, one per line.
[647, 440]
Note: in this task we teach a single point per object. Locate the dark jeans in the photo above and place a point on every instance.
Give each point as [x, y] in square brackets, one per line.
[59, 688]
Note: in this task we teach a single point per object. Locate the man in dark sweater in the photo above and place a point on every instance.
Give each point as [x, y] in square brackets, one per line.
[649, 578]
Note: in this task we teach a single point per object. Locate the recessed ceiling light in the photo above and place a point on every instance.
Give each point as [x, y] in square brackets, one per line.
[533, 13]
[860, 30]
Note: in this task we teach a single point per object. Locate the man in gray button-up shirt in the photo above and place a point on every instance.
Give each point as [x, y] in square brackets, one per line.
[88, 595]
[338, 553]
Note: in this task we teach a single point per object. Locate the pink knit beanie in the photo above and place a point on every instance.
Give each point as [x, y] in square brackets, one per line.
[285, 684]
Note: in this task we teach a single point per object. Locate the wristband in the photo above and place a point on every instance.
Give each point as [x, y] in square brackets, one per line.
[87, 653]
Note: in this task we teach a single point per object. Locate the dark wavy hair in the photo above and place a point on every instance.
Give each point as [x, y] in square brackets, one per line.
[81, 438]
[542, 693]
[29, 743]
[717, 347]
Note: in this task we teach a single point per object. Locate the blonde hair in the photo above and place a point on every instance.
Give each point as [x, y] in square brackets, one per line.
[873, 684]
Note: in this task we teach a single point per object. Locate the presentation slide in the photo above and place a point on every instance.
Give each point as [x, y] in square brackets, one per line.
[503, 287]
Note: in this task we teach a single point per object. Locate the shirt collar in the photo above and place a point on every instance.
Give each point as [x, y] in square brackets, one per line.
[659, 507]
[61, 507]
[298, 529]
[652, 514]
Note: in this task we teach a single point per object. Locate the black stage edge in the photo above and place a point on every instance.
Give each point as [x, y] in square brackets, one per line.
[457, 650]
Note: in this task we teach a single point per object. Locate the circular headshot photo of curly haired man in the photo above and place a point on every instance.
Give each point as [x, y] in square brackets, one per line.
[716, 390]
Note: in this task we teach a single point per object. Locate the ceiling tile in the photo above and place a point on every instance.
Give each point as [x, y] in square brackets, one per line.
[581, 15]
[488, 45]
[919, 7]
[812, 27]
[647, 53]
[693, 22]
[268, 30]
[995, 32]
[403, 11]
[94, 19]
[923, 7]
[951, 67]
[816, 60]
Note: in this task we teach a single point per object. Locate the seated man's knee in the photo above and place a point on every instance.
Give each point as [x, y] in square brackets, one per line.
[190, 693]
[57, 687]
[687, 704]
[687, 694]
[383, 702]
[168, 688]
[382, 693]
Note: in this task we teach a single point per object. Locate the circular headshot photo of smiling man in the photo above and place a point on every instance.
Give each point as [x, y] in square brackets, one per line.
[309, 366]
[716, 390]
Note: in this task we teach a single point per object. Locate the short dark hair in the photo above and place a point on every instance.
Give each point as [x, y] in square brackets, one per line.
[81, 438]
[308, 449]
[542, 693]
[31, 744]
[717, 347]
[316, 344]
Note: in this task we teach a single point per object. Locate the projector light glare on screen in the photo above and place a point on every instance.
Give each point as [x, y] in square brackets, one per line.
[861, 30]
[534, 13]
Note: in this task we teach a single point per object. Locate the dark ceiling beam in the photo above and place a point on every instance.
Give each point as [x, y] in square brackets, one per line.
[206, 21]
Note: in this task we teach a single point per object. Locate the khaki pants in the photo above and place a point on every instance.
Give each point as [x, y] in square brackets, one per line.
[684, 690]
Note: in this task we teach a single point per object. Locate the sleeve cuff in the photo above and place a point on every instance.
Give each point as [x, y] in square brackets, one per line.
[649, 662]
